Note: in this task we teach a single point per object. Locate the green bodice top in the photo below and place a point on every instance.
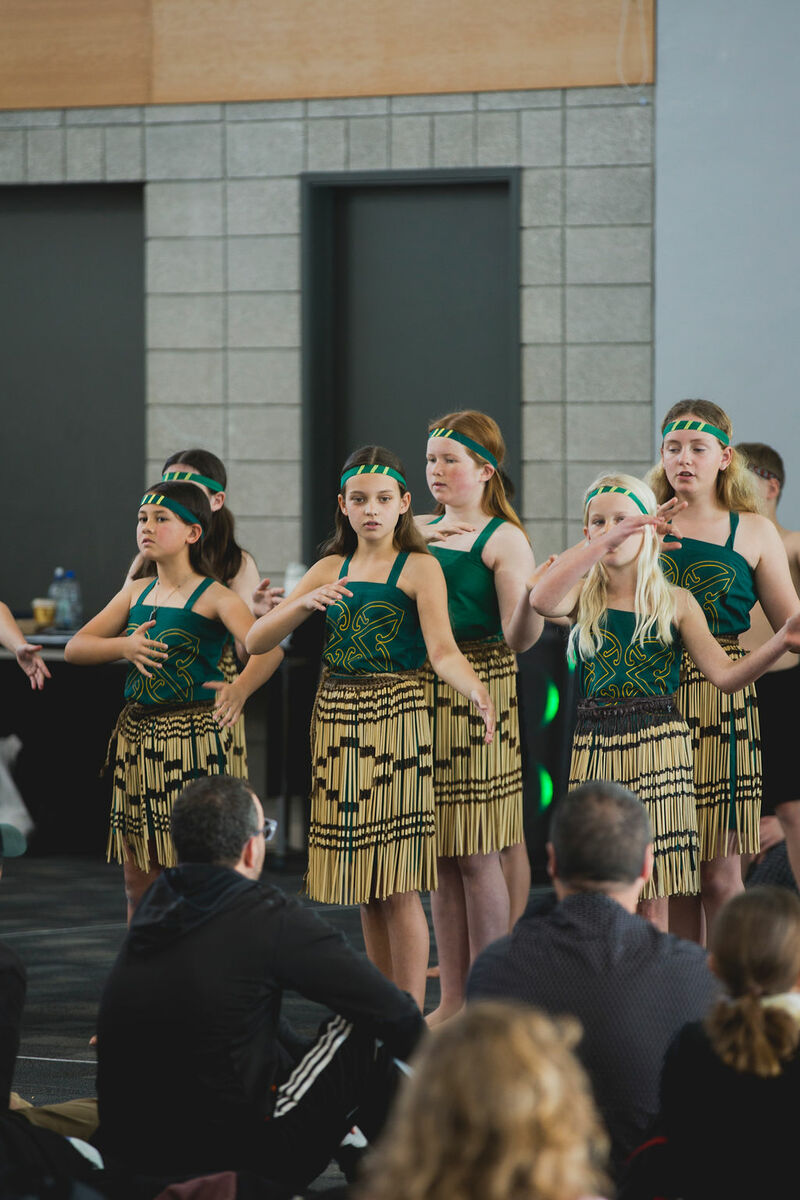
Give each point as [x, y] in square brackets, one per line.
[718, 577]
[374, 631]
[471, 594]
[195, 648]
[622, 669]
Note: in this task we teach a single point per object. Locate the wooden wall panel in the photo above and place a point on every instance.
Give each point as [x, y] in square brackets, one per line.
[59, 53]
[63, 53]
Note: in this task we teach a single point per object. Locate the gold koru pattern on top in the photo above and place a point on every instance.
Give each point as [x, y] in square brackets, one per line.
[707, 581]
[172, 682]
[622, 670]
[363, 636]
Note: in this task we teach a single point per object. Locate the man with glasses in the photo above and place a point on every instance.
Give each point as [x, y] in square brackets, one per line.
[196, 1073]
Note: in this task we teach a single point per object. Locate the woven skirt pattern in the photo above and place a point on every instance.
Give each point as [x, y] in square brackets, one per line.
[230, 670]
[373, 830]
[155, 752]
[726, 745]
[478, 788]
[643, 744]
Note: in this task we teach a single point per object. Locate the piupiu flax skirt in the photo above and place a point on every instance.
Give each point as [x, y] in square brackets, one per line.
[478, 788]
[373, 830]
[155, 750]
[229, 667]
[643, 744]
[726, 746]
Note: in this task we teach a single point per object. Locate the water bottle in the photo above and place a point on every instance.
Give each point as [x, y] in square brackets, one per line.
[74, 603]
[57, 592]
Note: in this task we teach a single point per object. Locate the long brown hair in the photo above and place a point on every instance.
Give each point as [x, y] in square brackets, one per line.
[497, 1108]
[221, 549]
[344, 539]
[484, 430]
[735, 488]
[755, 942]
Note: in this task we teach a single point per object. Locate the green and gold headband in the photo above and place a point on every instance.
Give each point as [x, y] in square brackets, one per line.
[465, 441]
[373, 469]
[599, 491]
[698, 427]
[213, 485]
[178, 509]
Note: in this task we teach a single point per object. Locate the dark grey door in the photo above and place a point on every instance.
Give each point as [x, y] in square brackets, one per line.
[72, 385]
[411, 312]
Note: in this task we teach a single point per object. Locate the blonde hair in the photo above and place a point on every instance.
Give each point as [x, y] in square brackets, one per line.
[735, 488]
[484, 430]
[655, 600]
[497, 1108]
[755, 941]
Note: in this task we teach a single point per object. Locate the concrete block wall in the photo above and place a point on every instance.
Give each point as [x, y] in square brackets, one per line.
[223, 271]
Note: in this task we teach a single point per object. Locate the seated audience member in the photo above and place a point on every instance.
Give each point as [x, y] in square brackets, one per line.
[194, 1076]
[730, 1092]
[585, 952]
[497, 1106]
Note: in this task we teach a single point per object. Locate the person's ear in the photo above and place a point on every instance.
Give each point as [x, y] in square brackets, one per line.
[216, 500]
[194, 534]
[647, 865]
[727, 455]
[342, 505]
[249, 852]
[405, 502]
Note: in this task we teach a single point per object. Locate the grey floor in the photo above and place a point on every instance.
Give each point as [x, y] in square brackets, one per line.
[65, 917]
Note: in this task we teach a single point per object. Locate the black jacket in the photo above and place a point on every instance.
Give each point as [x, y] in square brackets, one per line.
[12, 1001]
[188, 1047]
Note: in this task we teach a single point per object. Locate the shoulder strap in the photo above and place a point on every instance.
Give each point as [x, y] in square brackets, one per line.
[485, 534]
[397, 567]
[198, 591]
[436, 520]
[734, 527]
[345, 567]
[148, 589]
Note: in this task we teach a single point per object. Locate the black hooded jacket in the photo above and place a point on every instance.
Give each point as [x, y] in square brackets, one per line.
[188, 1047]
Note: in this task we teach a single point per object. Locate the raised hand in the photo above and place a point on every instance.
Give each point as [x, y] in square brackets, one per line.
[265, 597]
[444, 529]
[33, 665]
[322, 597]
[665, 528]
[143, 653]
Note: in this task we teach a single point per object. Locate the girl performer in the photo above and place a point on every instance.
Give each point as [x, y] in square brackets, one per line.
[630, 626]
[171, 629]
[486, 560]
[228, 561]
[730, 556]
[372, 839]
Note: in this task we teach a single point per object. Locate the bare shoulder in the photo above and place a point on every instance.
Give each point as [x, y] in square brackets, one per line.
[324, 570]
[507, 541]
[134, 588]
[420, 569]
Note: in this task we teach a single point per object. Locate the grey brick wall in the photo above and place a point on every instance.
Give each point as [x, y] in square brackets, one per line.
[223, 287]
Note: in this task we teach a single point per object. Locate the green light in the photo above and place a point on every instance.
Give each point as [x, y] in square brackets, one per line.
[545, 788]
[551, 703]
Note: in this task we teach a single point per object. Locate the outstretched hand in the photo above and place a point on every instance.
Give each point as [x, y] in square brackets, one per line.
[266, 597]
[444, 529]
[228, 703]
[485, 706]
[33, 665]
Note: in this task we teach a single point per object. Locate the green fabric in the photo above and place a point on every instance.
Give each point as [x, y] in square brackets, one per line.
[721, 581]
[465, 441]
[373, 469]
[167, 502]
[601, 491]
[623, 670]
[213, 485]
[471, 593]
[698, 427]
[374, 631]
[194, 649]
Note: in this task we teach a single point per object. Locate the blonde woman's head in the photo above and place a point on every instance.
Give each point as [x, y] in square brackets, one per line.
[732, 482]
[498, 1108]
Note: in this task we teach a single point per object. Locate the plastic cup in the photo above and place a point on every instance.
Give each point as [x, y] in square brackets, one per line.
[44, 611]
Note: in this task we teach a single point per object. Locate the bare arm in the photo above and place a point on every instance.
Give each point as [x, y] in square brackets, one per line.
[513, 565]
[773, 578]
[318, 588]
[230, 698]
[727, 675]
[103, 639]
[426, 579]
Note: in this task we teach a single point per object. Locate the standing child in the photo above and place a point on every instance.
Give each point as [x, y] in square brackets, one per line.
[730, 557]
[372, 838]
[486, 557]
[171, 629]
[630, 627]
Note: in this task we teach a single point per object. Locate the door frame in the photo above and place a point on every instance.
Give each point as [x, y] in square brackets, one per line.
[318, 190]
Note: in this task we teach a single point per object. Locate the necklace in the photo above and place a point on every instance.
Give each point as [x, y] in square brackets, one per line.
[162, 603]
